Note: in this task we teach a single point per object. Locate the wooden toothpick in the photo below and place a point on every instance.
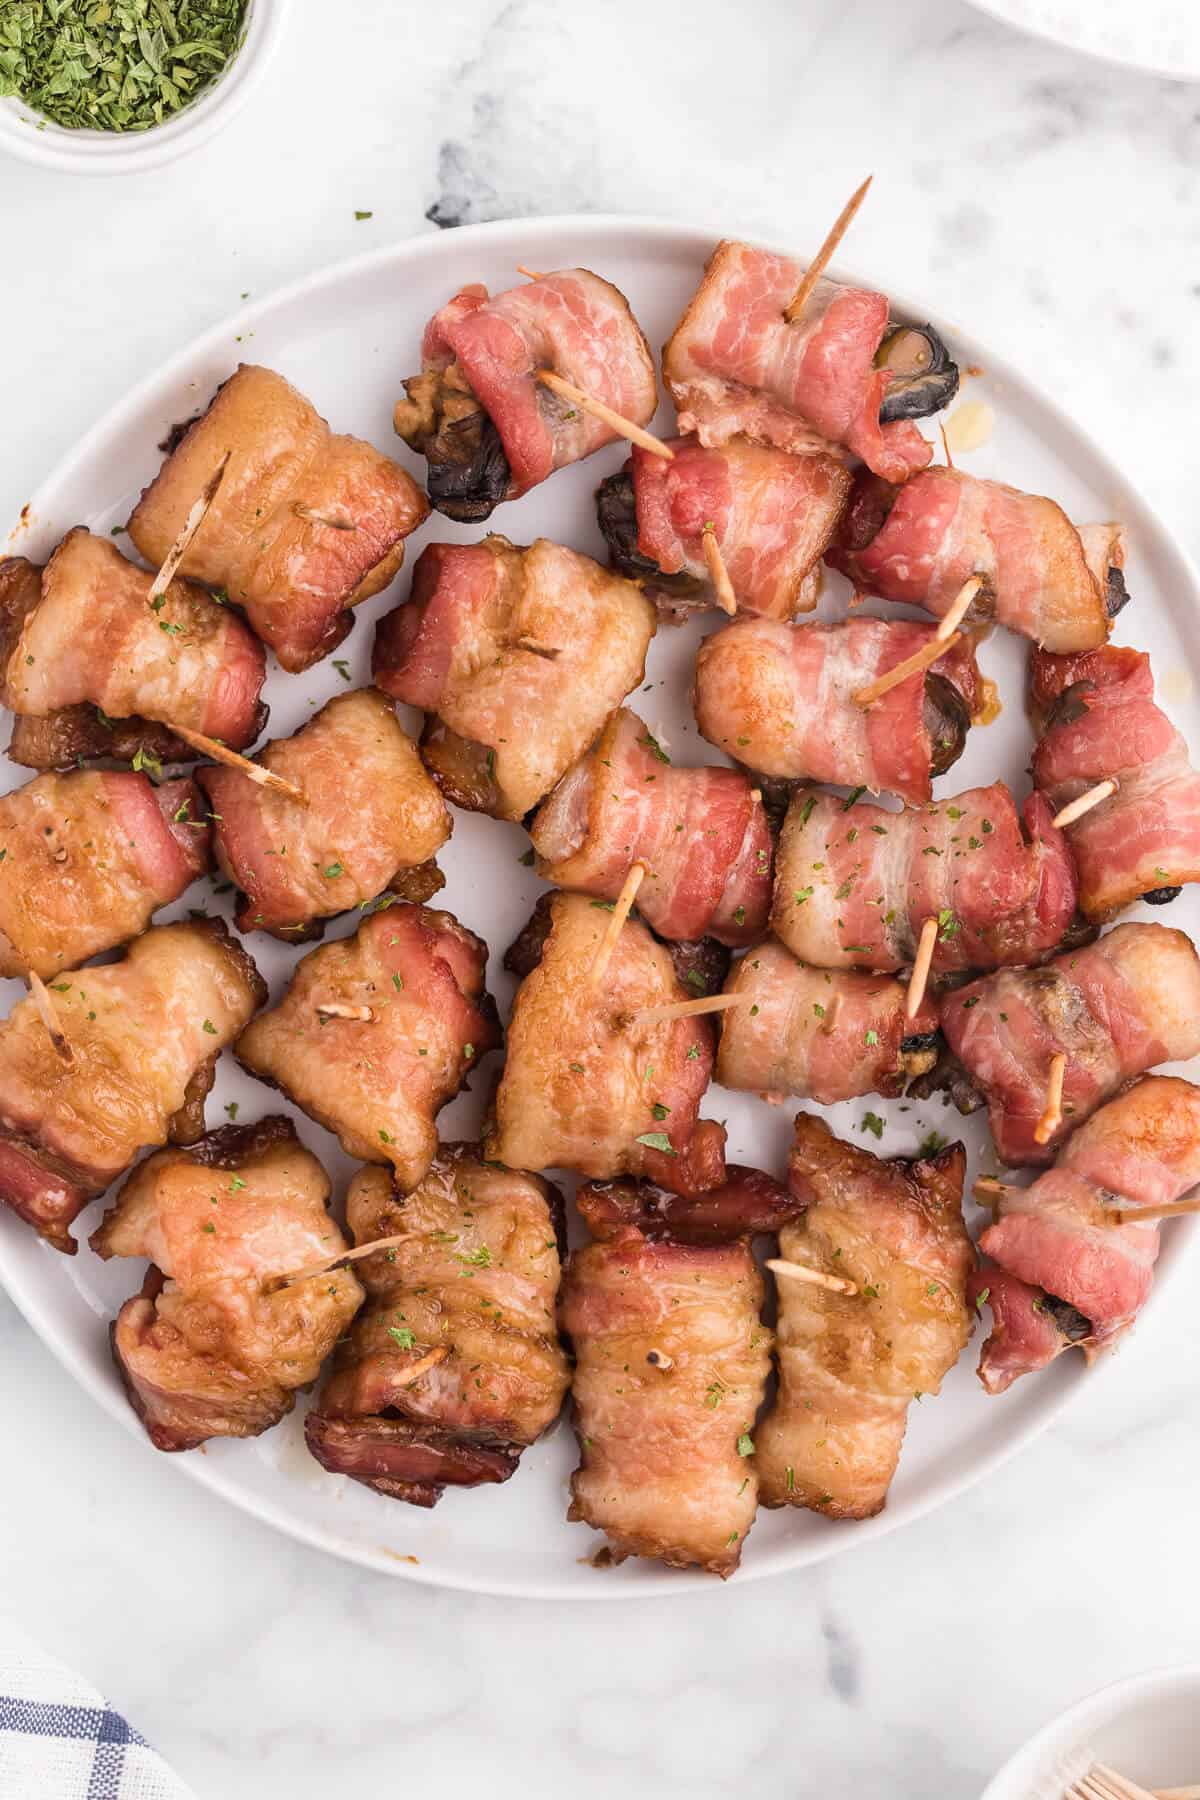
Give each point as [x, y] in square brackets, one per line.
[688, 1009]
[912, 665]
[920, 969]
[191, 526]
[622, 907]
[341, 1256]
[956, 612]
[1136, 1215]
[1084, 804]
[658, 1359]
[625, 428]
[717, 572]
[989, 1191]
[1052, 1113]
[232, 760]
[837, 1284]
[816, 267]
[829, 1019]
[531, 274]
[48, 1014]
[334, 1009]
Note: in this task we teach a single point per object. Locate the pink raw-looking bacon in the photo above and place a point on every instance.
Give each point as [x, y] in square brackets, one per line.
[701, 834]
[1089, 1275]
[736, 366]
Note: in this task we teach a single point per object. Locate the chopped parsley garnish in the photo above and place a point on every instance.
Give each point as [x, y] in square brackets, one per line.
[872, 1122]
[656, 1140]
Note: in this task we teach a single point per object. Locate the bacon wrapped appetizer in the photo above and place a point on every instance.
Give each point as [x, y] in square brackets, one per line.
[90, 657]
[454, 1366]
[305, 524]
[1099, 723]
[780, 698]
[855, 884]
[518, 656]
[215, 1345]
[377, 1031]
[1114, 1009]
[87, 858]
[700, 834]
[1074, 1263]
[837, 379]
[140, 1041]
[771, 515]
[489, 429]
[587, 1083]
[1043, 577]
[850, 1364]
[672, 1361]
[372, 817]
[820, 1034]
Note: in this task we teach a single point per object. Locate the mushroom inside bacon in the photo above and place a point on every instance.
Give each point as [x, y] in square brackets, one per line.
[468, 474]
[924, 376]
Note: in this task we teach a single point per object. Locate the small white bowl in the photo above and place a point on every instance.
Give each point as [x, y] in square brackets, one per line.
[25, 133]
[1148, 1727]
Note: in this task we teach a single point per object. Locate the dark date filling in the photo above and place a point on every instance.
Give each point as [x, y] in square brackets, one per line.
[616, 513]
[947, 720]
[1068, 1320]
[468, 474]
[1116, 594]
[1162, 896]
[924, 375]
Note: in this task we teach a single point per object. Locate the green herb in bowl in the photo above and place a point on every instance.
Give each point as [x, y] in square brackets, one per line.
[115, 65]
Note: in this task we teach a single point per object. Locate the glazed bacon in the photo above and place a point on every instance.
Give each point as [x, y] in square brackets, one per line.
[305, 524]
[377, 1081]
[589, 1086]
[772, 516]
[519, 656]
[144, 1035]
[671, 1365]
[701, 834]
[1114, 1009]
[1103, 724]
[1070, 1275]
[1043, 577]
[85, 635]
[371, 812]
[780, 699]
[820, 1034]
[87, 858]
[454, 1366]
[850, 1364]
[736, 366]
[489, 428]
[214, 1345]
[854, 884]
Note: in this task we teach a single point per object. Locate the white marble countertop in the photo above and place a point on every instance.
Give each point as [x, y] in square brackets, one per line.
[1052, 203]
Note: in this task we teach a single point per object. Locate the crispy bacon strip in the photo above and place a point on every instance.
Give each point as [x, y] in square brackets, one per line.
[378, 1082]
[475, 1277]
[771, 515]
[305, 523]
[1114, 1008]
[820, 1034]
[370, 812]
[781, 699]
[85, 633]
[144, 1034]
[220, 1349]
[481, 361]
[855, 884]
[1043, 577]
[735, 365]
[1101, 722]
[519, 656]
[588, 1086]
[850, 1364]
[701, 834]
[1092, 1276]
[671, 1367]
[87, 859]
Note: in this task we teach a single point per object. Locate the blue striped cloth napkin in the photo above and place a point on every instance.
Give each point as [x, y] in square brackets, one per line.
[59, 1740]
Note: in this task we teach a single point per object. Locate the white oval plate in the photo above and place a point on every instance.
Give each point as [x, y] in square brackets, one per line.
[346, 337]
[1158, 37]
